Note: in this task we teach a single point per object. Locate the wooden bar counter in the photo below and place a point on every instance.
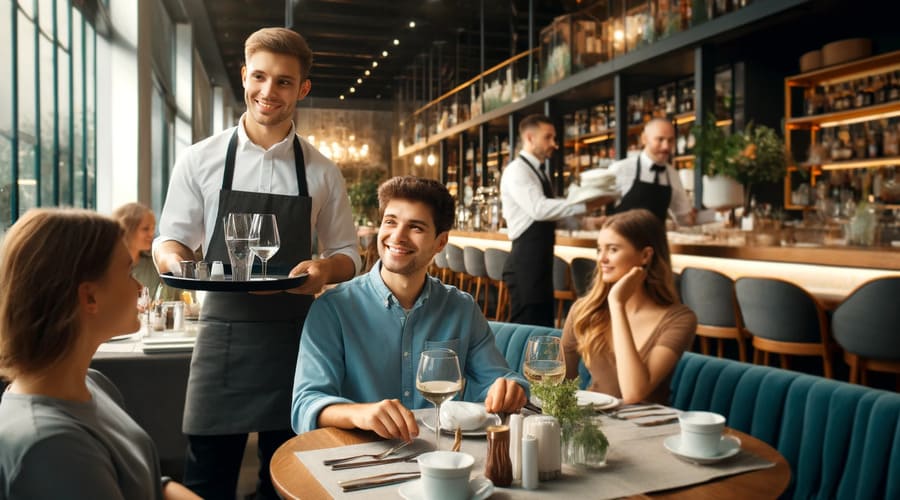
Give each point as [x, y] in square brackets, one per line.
[830, 273]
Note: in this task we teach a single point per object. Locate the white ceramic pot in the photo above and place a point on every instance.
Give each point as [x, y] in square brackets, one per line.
[720, 192]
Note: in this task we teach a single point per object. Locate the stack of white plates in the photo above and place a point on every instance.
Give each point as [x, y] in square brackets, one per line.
[595, 183]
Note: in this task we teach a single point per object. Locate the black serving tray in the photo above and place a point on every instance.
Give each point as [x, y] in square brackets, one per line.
[273, 282]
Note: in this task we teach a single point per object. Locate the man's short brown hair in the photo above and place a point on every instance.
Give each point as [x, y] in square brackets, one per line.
[531, 121]
[280, 41]
[427, 191]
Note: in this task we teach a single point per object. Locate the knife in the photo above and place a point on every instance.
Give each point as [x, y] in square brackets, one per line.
[653, 423]
[364, 483]
[383, 461]
[644, 415]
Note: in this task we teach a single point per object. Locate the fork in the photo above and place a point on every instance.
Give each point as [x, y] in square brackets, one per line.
[375, 456]
[369, 463]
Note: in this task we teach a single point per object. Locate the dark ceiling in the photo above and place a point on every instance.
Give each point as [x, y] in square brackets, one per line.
[347, 36]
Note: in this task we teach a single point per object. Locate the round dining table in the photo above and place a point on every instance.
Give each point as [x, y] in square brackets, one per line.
[292, 479]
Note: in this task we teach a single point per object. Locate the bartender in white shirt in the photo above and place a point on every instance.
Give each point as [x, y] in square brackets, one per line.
[531, 213]
[648, 180]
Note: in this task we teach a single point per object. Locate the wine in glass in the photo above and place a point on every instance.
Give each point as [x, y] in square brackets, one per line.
[544, 360]
[237, 239]
[438, 379]
[264, 239]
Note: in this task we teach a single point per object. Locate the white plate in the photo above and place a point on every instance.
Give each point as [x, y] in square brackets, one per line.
[492, 419]
[600, 400]
[729, 447]
[587, 193]
[596, 173]
[481, 487]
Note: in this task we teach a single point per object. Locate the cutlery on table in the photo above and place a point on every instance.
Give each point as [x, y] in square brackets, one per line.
[532, 407]
[457, 439]
[654, 423]
[635, 408]
[376, 456]
[644, 415]
[369, 463]
[377, 480]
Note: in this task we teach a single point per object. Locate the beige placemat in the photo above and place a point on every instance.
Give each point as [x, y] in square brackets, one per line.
[637, 463]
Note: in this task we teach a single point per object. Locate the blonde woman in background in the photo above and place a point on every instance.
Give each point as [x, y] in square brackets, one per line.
[139, 224]
[63, 432]
[630, 328]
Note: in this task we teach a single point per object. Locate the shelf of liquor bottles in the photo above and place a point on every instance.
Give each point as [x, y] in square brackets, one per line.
[842, 127]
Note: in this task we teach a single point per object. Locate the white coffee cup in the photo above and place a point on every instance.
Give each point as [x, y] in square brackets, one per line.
[701, 433]
[445, 475]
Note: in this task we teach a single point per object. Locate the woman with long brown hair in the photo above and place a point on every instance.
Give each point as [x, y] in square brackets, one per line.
[63, 432]
[630, 329]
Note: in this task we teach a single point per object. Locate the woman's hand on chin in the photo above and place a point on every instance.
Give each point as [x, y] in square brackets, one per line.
[627, 285]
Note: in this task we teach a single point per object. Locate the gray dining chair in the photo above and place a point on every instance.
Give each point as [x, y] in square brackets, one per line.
[710, 294]
[783, 318]
[473, 259]
[867, 326]
[563, 291]
[440, 262]
[456, 260]
[494, 260]
[583, 270]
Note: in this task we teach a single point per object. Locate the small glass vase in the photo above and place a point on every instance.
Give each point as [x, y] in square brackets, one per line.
[584, 444]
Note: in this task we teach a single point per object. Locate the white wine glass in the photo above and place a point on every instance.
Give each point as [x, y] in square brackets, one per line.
[544, 361]
[264, 239]
[438, 379]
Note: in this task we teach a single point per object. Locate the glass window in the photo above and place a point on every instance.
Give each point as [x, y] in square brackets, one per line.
[45, 17]
[63, 117]
[46, 82]
[26, 86]
[62, 22]
[89, 110]
[6, 157]
[77, 108]
[27, 7]
[6, 84]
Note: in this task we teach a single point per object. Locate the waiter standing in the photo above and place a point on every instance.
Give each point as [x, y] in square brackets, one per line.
[243, 364]
[531, 213]
[648, 180]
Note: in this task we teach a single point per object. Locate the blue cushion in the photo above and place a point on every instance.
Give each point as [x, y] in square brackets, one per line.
[841, 440]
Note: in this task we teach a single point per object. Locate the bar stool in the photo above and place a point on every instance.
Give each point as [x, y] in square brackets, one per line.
[494, 260]
[473, 259]
[456, 260]
[583, 270]
[562, 288]
[710, 294]
[440, 262]
[865, 326]
[783, 318]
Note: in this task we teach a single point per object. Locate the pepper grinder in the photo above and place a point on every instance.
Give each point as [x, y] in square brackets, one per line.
[497, 466]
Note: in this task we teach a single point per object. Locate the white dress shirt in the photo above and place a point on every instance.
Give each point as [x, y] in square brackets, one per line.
[192, 202]
[523, 198]
[625, 170]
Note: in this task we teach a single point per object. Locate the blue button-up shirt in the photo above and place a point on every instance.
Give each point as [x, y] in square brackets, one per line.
[359, 345]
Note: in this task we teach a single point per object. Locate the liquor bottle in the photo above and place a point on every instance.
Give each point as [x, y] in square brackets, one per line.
[880, 94]
[893, 88]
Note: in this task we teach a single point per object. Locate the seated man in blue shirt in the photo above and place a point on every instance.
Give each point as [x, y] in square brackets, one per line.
[362, 340]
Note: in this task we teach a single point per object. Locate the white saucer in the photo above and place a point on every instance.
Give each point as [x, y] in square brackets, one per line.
[728, 447]
[482, 488]
[588, 193]
[600, 400]
[596, 173]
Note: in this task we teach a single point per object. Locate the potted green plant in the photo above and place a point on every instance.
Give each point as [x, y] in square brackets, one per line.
[362, 188]
[750, 156]
[583, 442]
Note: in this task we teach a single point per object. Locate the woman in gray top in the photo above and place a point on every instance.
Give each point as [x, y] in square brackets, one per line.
[63, 433]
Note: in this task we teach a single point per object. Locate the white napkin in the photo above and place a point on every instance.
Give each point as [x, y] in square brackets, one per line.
[462, 414]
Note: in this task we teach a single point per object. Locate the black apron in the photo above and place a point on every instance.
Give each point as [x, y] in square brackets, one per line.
[653, 197]
[242, 369]
[527, 270]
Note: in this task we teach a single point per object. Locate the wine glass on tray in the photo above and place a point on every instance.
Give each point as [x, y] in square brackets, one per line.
[264, 239]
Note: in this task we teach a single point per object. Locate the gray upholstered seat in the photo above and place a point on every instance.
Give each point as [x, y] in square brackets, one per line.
[867, 326]
[783, 318]
[473, 259]
[710, 294]
[440, 262]
[494, 260]
[583, 270]
[562, 288]
[456, 260]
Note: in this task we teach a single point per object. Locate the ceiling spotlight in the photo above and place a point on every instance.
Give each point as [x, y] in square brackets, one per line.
[384, 53]
[396, 41]
[431, 159]
[367, 73]
[374, 64]
[359, 80]
[417, 159]
[342, 97]
[352, 89]
[412, 24]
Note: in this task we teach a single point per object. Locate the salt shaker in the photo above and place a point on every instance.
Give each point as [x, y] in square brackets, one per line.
[497, 467]
[515, 445]
[218, 271]
[529, 462]
[546, 429]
